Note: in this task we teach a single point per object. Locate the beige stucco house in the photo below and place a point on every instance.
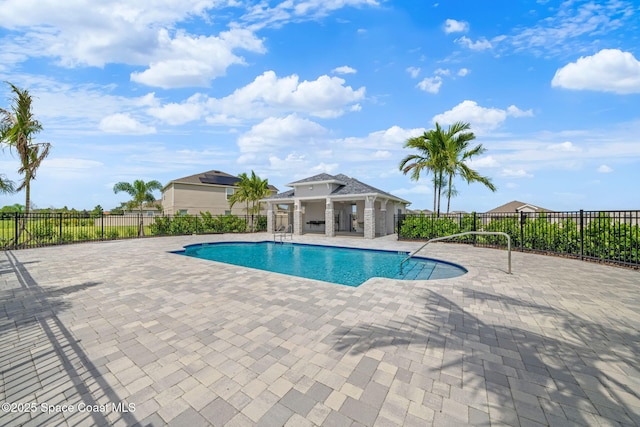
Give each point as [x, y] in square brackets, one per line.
[203, 192]
[333, 205]
[516, 206]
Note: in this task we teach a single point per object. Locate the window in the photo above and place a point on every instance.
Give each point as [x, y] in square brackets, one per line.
[227, 212]
[230, 192]
[150, 213]
[182, 212]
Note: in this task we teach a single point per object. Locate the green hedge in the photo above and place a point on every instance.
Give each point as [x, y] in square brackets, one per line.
[604, 238]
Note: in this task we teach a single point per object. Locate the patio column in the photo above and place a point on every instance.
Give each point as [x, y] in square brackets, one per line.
[271, 218]
[369, 218]
[382, 226]
[297, 218]
[329, 219]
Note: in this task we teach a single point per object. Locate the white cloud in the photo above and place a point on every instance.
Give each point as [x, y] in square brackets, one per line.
[462, 72]
[480, 118]
[389, 139]
[515, 173]
[442, 72]
[574, 27]
[324, 168]
[124, 124]
[178, 114]
[453, 26]
[413, 71]
[566, 146]
[263, 15]
[604, 169]
[382, 154]
[514, 111]
[145, 34]
[609, 70]
[274, 134]
[483, 162]
[431, 84]
[345, 69]
[481, 44]
[267, 94]
[194, 61]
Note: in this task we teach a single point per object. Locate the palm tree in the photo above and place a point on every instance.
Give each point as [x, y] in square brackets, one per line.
[242, 194]
[444, 154]
[17, 128]
[457, 153]
[250, 191]
[430, 160]
[141, 193]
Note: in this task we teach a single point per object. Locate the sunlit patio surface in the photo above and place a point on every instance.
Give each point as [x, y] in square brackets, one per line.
[127, 333]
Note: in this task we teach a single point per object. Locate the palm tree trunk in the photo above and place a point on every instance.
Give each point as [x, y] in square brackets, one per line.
[141, 224]
[449, 192]
[435, 191]
[439, 192]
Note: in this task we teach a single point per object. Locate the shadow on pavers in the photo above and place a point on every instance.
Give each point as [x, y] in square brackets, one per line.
[41, 358]
[587, 373]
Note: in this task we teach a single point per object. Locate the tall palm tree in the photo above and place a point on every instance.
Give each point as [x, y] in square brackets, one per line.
[141, 193]
[430, 146]
[17, 129]
[242, 194]
[250, 191]
[457, 153]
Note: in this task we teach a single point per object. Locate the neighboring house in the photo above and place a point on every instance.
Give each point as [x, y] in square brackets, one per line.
[516, 206]
[148, 209]
[329, 204]
[203, 192]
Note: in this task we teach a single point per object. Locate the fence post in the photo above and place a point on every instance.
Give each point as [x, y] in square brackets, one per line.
[473, 228]
[101, 225]
[582, 234]
[15, 229]
[523, 218]
[60, 227]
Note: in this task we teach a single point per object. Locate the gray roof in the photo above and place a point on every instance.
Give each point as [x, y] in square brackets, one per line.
[321, 177]
[514, 206]
[349, 186]
[219, 178]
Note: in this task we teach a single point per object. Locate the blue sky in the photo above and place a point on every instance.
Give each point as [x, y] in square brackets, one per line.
[165, 89]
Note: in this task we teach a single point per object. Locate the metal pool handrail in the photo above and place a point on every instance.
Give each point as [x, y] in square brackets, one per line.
[283, 233]
[463, 234]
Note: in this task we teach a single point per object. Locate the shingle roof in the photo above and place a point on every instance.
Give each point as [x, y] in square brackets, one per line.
[349, 186]
[224, 179]
[514, 205]
[321, 177]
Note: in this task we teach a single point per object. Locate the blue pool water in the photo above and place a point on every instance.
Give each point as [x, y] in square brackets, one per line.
[346, 266]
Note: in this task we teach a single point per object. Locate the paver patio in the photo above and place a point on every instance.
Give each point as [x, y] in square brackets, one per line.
[126, 333]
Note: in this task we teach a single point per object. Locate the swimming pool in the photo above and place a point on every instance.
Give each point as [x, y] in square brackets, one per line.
[346, 266]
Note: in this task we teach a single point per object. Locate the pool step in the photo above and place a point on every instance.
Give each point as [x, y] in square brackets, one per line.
[416, 271]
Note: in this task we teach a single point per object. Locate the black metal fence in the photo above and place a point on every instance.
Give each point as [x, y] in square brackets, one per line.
[603, 236]
[19, 231]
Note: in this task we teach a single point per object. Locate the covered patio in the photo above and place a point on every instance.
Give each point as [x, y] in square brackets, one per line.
[335, 205]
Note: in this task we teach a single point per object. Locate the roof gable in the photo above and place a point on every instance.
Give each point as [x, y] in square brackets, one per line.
[517, 206]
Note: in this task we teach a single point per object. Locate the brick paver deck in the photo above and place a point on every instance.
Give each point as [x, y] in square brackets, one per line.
[126, 333]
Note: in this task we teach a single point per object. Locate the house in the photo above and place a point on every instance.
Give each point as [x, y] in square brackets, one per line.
[336, 204]
[517, 207]
[203, 192]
